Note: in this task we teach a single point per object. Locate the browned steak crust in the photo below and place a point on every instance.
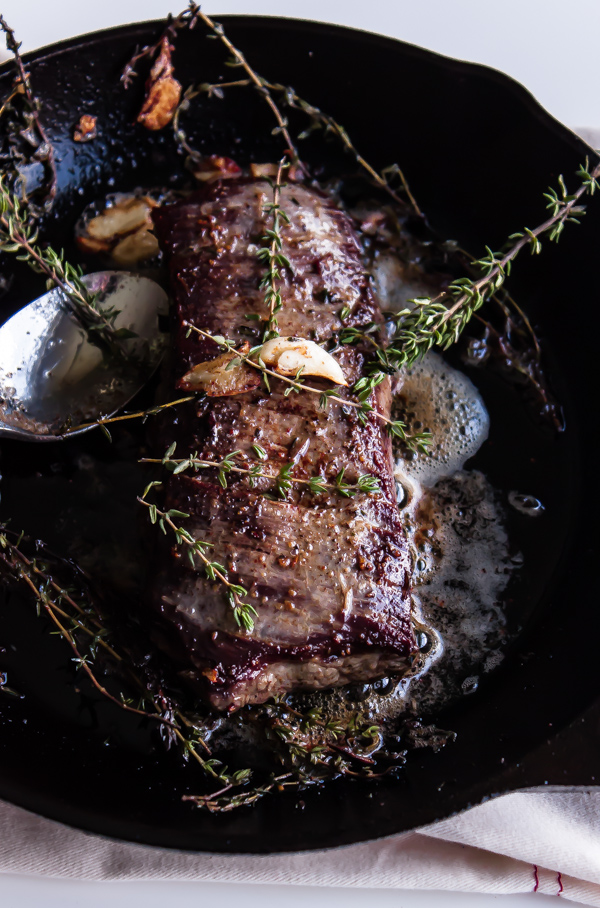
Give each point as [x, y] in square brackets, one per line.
[328, 576]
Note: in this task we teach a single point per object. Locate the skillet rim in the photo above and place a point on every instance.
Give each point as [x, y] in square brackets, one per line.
[473, 69]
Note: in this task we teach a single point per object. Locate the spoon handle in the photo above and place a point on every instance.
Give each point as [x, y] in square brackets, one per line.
[22, 434]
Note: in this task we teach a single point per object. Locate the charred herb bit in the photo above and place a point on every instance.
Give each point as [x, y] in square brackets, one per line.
[243, 612]
[26, 137]
[419, 441]
[283, 479]
[18, 237]
[5, 689]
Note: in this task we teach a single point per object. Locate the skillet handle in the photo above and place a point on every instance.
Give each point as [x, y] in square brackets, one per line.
[570, 758]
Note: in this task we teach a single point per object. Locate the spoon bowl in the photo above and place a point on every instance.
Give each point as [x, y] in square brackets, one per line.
[53, 378]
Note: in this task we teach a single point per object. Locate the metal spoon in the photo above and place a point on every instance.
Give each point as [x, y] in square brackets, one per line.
[52, 376]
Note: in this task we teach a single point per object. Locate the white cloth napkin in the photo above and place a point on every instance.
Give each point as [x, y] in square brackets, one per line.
[544, 841]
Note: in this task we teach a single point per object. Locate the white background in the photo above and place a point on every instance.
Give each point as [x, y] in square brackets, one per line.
[551, 46]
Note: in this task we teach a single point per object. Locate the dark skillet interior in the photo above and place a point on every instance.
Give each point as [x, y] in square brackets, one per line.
[478, 152]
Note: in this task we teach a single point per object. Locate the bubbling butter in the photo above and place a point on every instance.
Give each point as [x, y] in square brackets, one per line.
[434, 396]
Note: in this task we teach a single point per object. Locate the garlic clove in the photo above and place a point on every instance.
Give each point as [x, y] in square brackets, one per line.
[135, 248]
[216, 380]
[163, 91]
[127, 214]
[289, 354]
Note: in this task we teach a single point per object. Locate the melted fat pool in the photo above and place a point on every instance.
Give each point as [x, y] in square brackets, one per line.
[460, 548]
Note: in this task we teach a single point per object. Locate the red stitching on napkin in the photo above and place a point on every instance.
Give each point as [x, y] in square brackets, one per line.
[560, 883]
[536, 878]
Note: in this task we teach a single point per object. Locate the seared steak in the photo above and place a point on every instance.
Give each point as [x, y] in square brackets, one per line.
[327, 575]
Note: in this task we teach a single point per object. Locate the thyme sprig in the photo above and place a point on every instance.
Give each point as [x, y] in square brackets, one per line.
[243, 612]
[283, 479]
[68, 616]
[28, 128]
[430, 321]
[364, 388]
[382, 179]
[271, 254]
[237, 59]
[72, 618]
[311, 747]
[321, 120]
[223, 802]
[19, 237]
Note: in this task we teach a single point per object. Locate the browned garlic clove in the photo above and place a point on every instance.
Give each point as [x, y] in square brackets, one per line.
[126, 215]
[163, 92]
[216, 380]
[289, 354]
[135, 248]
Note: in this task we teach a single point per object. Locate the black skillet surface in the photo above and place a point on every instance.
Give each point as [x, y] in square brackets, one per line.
[478, 152]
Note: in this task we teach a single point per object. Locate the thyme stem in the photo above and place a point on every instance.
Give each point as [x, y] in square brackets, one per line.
[273, 256]
[186, 19]
[139, 414]
[432, 322]
[22, 569]
[19, 567]
[294, 101]
[261, 85]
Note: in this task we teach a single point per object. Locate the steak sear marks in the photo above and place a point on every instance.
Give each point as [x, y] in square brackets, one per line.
[327, 575]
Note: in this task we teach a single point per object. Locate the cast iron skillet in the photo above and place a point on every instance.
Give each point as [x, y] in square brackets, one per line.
[478, 152]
